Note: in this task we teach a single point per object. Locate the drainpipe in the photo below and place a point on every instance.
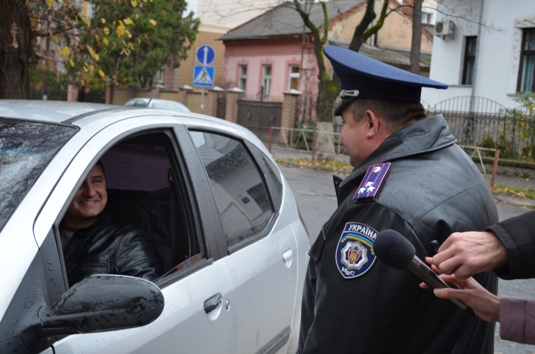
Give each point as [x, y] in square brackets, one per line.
[478, 45]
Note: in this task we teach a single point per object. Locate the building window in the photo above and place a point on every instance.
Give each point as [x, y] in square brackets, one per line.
[427, 18]
[469, 60]
[293, 80]
[527, 61]
[161, 75]
[242, 76]
[266, 81]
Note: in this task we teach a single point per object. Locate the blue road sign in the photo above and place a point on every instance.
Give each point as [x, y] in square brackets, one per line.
[203, 76]
[205, 54]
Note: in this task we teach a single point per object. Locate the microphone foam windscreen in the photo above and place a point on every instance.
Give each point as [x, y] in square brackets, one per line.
[393, 249]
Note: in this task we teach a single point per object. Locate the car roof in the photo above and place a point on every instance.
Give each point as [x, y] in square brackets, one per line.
[50, 111]
[81, 113]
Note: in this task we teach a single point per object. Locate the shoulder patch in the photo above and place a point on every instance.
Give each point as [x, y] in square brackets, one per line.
[371, 183]
[354, 252]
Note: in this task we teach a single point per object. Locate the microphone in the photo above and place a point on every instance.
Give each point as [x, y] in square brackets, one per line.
[397, 252]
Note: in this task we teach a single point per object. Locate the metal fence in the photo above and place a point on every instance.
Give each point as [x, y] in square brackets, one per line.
[259, 116]
[478, 124]
[477, 121]
[50, 95]
[301, 139]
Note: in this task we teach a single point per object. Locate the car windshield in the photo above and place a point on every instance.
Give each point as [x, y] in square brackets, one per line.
[26, 148]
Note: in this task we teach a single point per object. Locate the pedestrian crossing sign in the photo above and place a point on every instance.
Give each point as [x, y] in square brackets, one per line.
[203, 76]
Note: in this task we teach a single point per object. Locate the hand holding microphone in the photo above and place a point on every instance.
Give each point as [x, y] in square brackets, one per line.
[397, 252]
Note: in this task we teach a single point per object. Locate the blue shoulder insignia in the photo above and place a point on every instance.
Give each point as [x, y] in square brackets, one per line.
[371, 183]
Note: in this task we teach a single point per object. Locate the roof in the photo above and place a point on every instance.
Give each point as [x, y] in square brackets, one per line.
[390, 56]
[284, 20]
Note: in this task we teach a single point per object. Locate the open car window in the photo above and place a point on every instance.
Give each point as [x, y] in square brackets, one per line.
[145, 187]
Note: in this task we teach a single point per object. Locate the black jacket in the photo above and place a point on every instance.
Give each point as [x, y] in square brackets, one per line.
[518, 236]
[108, 247]
[354, 303]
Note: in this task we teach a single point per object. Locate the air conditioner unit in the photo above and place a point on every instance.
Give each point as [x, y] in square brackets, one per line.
[444, 28]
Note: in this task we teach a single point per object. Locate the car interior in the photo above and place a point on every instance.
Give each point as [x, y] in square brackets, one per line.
[145, 189]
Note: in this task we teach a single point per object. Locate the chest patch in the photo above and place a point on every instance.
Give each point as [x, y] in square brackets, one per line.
[354, 252]
[373, 180]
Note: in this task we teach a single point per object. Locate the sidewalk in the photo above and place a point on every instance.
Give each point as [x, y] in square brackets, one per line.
[501, 179]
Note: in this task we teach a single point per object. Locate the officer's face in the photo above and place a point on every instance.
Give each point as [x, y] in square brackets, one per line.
[89, 201]
[354, 136]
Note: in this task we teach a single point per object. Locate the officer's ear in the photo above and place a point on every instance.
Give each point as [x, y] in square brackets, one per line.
[373, 123]
[377, 129]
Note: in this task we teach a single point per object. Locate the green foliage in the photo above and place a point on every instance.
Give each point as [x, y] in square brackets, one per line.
[518, 142]
[506, 146]
[528, 101]
[40, 76]
[129, 44]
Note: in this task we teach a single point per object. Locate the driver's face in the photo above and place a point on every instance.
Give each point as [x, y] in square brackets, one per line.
[89, 201]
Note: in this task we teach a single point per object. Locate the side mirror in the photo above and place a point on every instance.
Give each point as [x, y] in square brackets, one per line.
[103, 303]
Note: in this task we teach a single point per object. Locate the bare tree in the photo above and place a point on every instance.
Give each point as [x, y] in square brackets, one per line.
[366, 28]
[416, 36]
[327, 88]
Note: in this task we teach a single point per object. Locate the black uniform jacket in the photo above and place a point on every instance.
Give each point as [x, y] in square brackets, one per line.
[518, 236]
[108, 247]
[353, 302]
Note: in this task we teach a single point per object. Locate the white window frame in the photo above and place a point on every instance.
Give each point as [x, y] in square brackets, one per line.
[294, 76]
[242, 76]
[266, 81]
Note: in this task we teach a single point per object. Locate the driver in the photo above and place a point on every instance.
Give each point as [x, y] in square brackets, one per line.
[94, 243]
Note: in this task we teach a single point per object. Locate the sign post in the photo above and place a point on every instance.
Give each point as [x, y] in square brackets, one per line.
[203, 75]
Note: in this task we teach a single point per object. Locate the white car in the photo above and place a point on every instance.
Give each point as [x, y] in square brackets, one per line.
[208, 191]
[157, 103]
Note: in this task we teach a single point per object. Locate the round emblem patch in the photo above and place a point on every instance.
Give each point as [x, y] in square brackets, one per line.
[354, 252]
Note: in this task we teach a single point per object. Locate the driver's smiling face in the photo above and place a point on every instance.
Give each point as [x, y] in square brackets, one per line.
[89, 201]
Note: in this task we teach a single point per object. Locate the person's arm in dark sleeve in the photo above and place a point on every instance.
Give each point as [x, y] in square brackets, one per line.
[518, 237]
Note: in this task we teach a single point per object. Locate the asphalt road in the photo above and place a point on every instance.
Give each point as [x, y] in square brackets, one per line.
[314, 192]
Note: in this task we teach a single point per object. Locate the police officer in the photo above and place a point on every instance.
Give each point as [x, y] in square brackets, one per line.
[409, 176]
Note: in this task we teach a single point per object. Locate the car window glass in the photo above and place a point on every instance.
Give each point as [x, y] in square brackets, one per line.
[26, 148]
[273, 174]
[239, 190]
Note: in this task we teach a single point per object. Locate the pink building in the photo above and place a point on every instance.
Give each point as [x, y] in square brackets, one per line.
[264, 69]
[273, 53]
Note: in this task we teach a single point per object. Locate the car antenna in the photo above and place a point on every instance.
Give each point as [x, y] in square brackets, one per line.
[154, 93]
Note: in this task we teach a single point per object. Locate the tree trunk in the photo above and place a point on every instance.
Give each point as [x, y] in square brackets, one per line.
[416, 36]
[15, 49]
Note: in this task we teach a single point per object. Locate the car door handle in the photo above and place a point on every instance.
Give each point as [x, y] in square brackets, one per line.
[287, 256]
[213, 302]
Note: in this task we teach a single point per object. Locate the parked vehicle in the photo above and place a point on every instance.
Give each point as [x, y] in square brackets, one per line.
[207, 190]
[157, 103]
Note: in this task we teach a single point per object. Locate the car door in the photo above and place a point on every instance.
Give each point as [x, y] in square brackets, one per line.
[260, 241]
[196, 318]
